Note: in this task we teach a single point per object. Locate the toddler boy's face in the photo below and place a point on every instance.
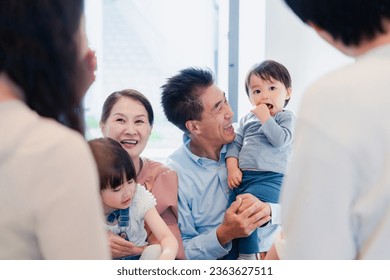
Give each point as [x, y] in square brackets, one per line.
[270, 92]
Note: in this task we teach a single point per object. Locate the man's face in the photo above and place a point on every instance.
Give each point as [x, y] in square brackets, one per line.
[215, 125]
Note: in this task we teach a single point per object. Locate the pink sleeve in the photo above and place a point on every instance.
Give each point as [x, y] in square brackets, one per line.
[165, 188]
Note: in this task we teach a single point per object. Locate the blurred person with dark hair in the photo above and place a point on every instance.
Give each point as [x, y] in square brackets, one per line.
[48, 175]
[335, 200]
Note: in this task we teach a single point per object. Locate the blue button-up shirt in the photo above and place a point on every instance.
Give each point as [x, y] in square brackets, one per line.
[203, 199]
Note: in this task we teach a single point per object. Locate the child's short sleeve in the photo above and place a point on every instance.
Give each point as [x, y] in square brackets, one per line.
[143, 202]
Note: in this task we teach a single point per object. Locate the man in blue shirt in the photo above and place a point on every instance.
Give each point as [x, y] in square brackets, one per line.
[193, 103]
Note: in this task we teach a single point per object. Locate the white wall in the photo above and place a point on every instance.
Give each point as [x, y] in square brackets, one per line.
[299, 48]
[251, 46]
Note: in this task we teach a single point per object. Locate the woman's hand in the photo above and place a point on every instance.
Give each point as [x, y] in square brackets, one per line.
[120, 247]
[86, 72]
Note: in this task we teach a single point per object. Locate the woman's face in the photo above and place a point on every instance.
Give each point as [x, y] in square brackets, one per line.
[128, 123]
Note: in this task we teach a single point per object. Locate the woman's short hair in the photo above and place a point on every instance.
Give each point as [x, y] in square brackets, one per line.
[129, 93]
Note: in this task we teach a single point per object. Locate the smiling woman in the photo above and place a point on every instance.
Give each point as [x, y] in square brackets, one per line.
[127, 117]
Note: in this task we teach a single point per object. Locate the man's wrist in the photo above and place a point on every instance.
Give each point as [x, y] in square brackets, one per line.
[270, 214]
[265, 224]
[223, 239]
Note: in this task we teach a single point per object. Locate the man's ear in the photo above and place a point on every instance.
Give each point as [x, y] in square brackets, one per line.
[193, 127]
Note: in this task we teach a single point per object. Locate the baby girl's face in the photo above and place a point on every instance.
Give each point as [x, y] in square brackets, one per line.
[119, 197]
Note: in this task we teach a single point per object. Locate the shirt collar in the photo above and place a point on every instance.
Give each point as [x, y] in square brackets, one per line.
[200, 160]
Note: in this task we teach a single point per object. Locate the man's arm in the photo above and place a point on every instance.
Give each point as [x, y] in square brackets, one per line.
[198, 246]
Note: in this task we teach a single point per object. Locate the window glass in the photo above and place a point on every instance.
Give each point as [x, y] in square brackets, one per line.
[139, 44]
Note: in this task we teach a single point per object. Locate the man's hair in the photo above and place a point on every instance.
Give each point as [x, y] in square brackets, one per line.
[269, 69]
[350, 21]
[181, 95]
[39, 52]
[114, 164]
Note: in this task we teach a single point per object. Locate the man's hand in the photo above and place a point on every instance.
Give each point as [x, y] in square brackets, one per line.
[242, 217]
[121, 247]
[248, 200]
